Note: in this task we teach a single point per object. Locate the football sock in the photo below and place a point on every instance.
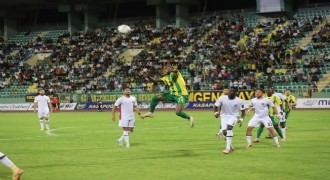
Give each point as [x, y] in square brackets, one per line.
[276, 139]
[283, 132]
[126, 137]
[248, 139]
[183, 115]
[7, 162]
[229, 138]
[41, 124]
[47, 123]
[121, 137]
[279, 132]
[153, 104]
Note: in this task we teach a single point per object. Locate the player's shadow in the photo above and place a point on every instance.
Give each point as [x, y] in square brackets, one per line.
[183, 153]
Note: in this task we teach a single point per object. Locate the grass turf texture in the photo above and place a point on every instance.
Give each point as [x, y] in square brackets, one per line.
[82, 146]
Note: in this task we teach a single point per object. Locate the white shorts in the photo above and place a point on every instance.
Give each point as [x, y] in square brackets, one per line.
[255, 121]
[1, 154]
[127, 123]
[42, 114]
[228, 120]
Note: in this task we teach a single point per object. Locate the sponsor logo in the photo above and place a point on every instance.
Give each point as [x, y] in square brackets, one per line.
[81, 106]
[202, 105]
[105, 106]
[324, 102]
[19, 107]
[309, 102]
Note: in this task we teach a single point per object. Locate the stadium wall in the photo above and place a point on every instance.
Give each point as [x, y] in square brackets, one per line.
[203, 102]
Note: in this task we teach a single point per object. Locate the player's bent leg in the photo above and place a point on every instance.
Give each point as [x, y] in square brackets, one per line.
[278, 130]
[17, 172]
[229, 138]
[282, 124]
[249, 136]
[153, 104]
[273, 133]
[259, 132]
[182, 114]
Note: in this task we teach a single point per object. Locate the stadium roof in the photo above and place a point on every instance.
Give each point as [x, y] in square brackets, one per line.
[33, 4]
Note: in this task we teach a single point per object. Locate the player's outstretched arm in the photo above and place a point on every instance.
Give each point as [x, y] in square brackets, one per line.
[152, 79]
[137, 110]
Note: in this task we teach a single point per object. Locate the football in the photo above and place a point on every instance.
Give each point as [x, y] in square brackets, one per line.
[124, 29]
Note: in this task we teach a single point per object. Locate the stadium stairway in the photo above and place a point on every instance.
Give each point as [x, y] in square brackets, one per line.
[37, 57]
[324, 81]
[201, 40]
[305, 41]
[256, 30]
[41, 35]
[128, 54]
[82, 60]
[267, 38]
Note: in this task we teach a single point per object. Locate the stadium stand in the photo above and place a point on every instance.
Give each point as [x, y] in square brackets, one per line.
[244, 50]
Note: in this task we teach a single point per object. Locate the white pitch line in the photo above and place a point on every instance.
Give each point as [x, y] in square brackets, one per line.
[49, 132]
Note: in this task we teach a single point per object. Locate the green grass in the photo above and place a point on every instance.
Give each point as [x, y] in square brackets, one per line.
[164, 147]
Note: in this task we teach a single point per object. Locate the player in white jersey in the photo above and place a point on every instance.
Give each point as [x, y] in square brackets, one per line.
[229, 107]
[261, 106]
[42, 102]
[127, 104]
[225, 92]
[17, 172]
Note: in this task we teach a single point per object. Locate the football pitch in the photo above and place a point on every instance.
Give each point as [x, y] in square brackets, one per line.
[82, 145]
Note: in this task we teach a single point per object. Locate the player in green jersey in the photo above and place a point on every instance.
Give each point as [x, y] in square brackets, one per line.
[177, 93]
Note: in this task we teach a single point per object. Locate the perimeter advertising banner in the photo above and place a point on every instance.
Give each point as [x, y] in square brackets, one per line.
[108, 106]
[206, 99]
[30, 106]
[197, 100]
[313, 103]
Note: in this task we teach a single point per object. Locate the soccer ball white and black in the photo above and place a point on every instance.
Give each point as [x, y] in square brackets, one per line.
[124, 29]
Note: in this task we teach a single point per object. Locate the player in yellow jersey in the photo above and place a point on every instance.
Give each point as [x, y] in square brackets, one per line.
[278, 104]
[177, 93]
[290, 101]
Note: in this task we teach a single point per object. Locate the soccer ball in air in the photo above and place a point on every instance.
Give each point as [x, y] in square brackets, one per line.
[124, 29]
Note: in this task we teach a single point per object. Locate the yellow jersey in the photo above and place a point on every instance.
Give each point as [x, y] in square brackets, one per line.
[277, 102]
[177, 85]
[290, 100]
